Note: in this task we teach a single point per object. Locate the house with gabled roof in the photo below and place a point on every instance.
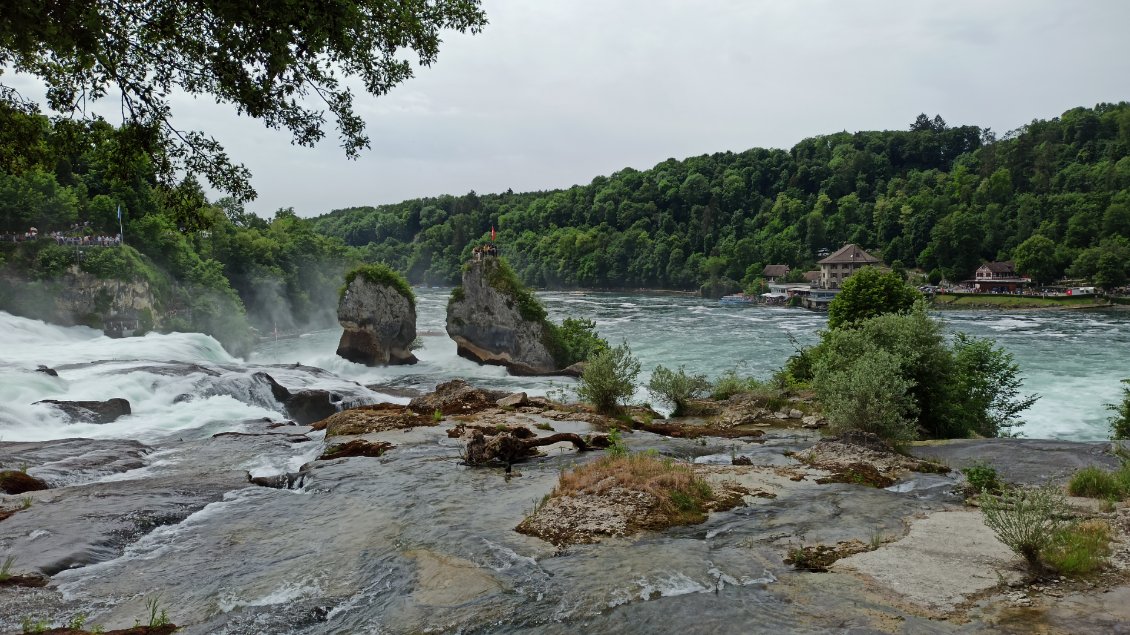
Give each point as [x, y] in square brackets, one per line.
[774, 273]
[845, 261]
[998, 277]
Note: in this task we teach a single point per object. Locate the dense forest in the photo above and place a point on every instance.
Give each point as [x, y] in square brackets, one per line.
[1053, 195]
[214, 267]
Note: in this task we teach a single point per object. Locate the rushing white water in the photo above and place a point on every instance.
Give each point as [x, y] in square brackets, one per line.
[1073, 359]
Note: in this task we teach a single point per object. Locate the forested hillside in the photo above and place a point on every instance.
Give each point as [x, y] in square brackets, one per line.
[214, 267]
[1054, 195]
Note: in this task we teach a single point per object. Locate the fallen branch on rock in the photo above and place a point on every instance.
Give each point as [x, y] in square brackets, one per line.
[509, 448]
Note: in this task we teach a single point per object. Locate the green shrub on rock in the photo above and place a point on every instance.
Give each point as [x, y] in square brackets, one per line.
[870, 394]
[1027, 521]
[609, 378]
[676, 387]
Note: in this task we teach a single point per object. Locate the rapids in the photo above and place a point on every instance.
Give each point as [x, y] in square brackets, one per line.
[413, 541]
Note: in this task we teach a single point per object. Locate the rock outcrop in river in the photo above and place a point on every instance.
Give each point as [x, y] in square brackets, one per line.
[494, 320]
[378, 313]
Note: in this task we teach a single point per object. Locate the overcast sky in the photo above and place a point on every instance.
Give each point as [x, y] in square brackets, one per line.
[555, 92]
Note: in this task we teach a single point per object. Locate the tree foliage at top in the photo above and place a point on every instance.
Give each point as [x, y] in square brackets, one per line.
[937, 197]
[868, 293]
[285, 63]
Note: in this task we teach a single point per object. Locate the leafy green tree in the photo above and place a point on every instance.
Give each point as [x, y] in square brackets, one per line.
[265, 62]
[1035, 257]
[868, 293]
[988, 385]
[677, 388]
[1120, 421]
[609, 378]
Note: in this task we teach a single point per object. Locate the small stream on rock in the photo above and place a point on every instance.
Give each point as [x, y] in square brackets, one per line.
[414, 542]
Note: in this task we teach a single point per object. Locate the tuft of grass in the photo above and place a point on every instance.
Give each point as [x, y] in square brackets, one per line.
[683, 496]
[437, 416]
[25, 502]
[6, 568]
[1080, 549]
[158, 617]
[1094, 482]
[30, 625]
[544, 426]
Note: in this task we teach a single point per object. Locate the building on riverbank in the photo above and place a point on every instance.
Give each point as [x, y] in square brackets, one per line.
[840, 265]
[998, 277]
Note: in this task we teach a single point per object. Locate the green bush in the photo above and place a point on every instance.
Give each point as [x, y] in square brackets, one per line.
[676, 387]
[576, 340]
[1120, 422]
[1094, 482]
[969, 387]
[868, 394]
[379, 273]
[52, 261]
[609, 378]
[982, 478]
[729, 383]
[1027, 521]
[500, 276]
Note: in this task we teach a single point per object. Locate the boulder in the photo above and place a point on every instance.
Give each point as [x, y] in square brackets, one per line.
[303, 406]
[17, 482]
[494, 323]
[456, 397]
[379, 323]
[516, 400]
[380, 417]
[47, 371]
[91, 411]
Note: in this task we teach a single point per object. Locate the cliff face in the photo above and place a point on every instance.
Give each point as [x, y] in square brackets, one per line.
[487, 324]
[119, 307]
[379, 322]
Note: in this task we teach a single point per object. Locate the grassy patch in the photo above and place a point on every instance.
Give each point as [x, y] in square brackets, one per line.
[379, 273]
[1079, 549]
[1013, 301]
[683, 496]
[1094, 482]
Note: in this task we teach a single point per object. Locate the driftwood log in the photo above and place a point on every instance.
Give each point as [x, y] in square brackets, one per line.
[508, 448]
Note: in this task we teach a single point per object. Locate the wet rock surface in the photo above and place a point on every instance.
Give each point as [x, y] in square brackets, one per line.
[379, 323]
[1027, 461]
[70, 461]
[418, 542]
[91, 411]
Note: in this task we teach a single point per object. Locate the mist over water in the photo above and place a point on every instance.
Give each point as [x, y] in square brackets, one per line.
[1074, 359]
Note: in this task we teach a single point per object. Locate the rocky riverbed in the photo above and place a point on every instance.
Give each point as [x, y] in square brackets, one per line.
[253, 532]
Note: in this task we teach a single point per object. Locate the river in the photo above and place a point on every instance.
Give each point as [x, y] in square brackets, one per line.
[415, 542]
[1073, 359]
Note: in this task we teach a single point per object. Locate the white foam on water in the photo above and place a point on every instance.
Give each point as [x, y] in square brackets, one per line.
[283, 594]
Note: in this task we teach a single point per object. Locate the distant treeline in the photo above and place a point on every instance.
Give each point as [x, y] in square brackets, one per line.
[1054, 195]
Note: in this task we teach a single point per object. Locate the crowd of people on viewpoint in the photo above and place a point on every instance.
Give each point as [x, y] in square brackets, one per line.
[77, 236]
